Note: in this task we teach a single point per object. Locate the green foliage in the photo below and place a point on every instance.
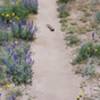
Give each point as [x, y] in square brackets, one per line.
[63, 1]
[71, 28]
[89, 70]
[5, 36]
[86, 51]
[97, 50]
[17, 12]
[20, 11]
[18, 62]
[72, 40]
[98, 17]
[22, 32]
[3, 75]
[63, 14]
[13, 94]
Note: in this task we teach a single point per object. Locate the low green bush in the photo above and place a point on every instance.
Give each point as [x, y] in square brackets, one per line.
[18, 61]
[72, 40]
[31, 5]
[63, 14]
[23, 32]
[88, 50]
[3, 74]
[13, 13]
[89, 70]
[63, 1]
[98, 17]
[5, 36]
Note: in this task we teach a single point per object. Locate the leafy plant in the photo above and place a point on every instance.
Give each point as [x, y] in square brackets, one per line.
[3, 75]
[5, 36]
[89, 70]
[17, 59]
[86, 51]
[63, 1]
[98, 17]
[24, 32]
[97, 50]
[31, 5]
[63, 14]
[13, 94]
[71, 28]
[72, 40]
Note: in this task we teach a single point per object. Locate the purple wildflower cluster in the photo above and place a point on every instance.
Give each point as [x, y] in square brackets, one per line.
[18, 51]
[18, 60]
[31, 4]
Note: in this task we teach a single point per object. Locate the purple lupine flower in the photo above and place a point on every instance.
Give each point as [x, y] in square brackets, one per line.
[28, 58]
[13, 45]
[15, 57]
[5, 61]
[12, 97]
[29, 61]
[0, 94]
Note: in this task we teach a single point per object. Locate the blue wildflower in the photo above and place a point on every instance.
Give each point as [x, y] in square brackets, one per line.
[5, 61]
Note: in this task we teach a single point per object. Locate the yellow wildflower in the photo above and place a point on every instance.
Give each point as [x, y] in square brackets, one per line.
[81, 93]
[17, 17]
[13, 14]
[77, 98]
[8, 85]
[7, 15]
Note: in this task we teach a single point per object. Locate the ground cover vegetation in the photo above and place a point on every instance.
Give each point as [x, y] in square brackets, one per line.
[16, 35]
[80, 20]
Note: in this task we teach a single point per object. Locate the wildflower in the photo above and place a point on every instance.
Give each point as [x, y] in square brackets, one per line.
[13, 14]
[81, 93]
[15, 57]
[7, 15]
[78, 98]
[8, 85]
[17, 17]
[5, 61]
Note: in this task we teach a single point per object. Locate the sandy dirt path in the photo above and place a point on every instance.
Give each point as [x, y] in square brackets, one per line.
[53, 78]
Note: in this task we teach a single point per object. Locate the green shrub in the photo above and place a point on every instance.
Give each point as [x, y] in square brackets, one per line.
[63, 1]
[72, 40]
[16, 13]
[18, 62]
[20, 11]
[23, 32]
[86, 51]
[89, 70]
[98, 17]
[71, 28]
[97, 50]
[31, 5]
[3, 75]
[5, 36]
[13, 94]
[63, 14]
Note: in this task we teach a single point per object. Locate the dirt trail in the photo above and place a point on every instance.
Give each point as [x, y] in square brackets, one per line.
[53, 78]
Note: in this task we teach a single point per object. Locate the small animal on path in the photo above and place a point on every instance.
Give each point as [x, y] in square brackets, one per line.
[50, 27]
